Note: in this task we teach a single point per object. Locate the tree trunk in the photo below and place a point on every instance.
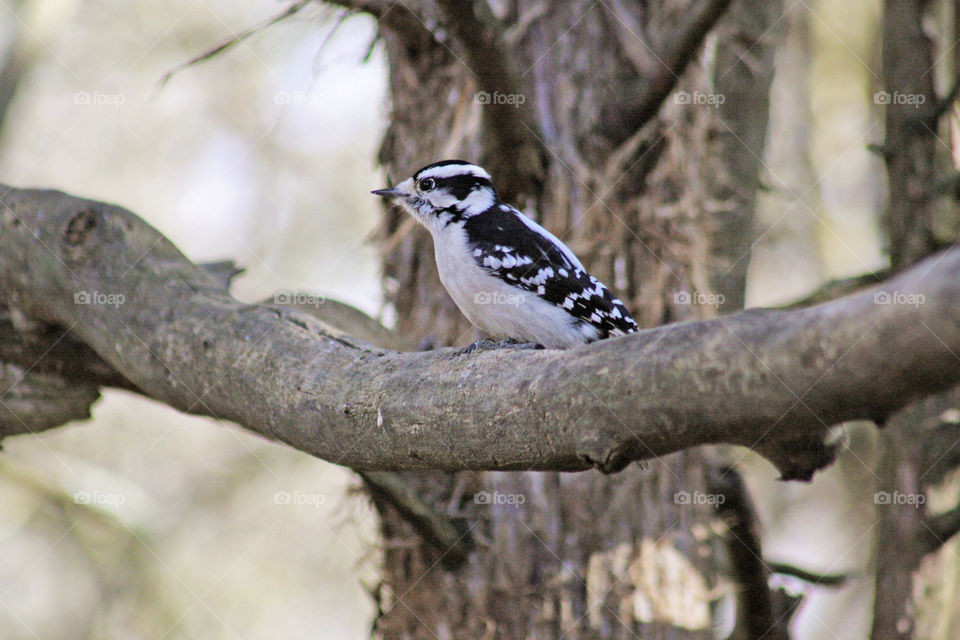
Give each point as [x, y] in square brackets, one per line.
[660, 207]
[917, 223]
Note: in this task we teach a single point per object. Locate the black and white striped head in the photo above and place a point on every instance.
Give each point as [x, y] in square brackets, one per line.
[444, 192]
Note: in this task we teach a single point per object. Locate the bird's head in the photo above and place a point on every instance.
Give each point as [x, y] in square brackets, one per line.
[444, 192]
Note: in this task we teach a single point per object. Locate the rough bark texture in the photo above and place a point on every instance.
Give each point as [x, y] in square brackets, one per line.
[742, 74]
[908, 62]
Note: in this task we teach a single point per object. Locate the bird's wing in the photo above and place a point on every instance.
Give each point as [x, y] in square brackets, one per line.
[519, 251]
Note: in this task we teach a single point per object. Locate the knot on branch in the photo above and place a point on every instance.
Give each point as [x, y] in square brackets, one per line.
[78, 230]
[9, 217]
[79, 226]
[605, 453]
[799, 458]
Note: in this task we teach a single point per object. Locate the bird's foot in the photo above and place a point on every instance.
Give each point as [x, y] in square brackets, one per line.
[489, 345]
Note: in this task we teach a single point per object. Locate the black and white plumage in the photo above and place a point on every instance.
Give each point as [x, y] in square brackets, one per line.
[508, 275]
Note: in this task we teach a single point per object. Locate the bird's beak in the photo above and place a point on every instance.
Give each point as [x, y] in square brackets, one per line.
[403, 190]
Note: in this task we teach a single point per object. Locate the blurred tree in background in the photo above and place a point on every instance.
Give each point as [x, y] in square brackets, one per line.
[643, 156]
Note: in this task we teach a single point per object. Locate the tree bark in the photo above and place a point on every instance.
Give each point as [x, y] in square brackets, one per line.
[914, 219]
[660, 207]
[910, 105]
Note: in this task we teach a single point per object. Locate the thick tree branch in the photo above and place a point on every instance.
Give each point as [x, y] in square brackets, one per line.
[771, 380]
[50, 349]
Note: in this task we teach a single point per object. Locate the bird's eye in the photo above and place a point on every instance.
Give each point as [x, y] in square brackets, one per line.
[427, 184]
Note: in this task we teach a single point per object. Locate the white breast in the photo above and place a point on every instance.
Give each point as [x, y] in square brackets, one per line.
[497, 307]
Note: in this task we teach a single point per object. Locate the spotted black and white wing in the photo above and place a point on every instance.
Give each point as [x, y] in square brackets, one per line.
[514, 248]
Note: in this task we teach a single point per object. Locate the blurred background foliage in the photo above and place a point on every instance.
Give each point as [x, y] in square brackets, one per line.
[145, 523]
